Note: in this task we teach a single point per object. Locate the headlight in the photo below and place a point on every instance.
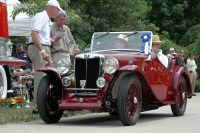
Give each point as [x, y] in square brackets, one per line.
[64, 66]
[111, 65]
[101, 82]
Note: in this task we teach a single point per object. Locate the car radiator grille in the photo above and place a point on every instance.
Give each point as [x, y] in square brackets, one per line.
[88, 70]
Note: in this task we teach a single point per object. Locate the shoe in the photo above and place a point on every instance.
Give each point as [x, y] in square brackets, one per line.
[194, 95]
[35, 112]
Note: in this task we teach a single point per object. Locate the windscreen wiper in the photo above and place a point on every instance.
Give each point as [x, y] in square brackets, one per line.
[131, 34]
[107, 33]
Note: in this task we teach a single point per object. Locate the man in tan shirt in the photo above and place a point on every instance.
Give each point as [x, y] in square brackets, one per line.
[65, 45]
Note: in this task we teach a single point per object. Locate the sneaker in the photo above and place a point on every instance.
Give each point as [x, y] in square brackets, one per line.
[35, 112]
[194, 95]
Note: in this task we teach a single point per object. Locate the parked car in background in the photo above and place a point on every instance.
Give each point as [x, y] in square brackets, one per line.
[6, 58]
[122, 81]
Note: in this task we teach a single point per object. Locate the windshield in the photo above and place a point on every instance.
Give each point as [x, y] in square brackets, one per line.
[120, 41]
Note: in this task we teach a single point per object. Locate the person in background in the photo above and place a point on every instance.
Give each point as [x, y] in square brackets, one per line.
[65, 44]
[40, 42]
[19, 79]
[171, 52]
[155, 48]
[23, 55]
[182, 56]
[191, 65]
[120, 42]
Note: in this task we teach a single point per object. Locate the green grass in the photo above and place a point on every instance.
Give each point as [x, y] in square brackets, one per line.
[15, 115]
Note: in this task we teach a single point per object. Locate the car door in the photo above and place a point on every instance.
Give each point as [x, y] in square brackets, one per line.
[158, 77]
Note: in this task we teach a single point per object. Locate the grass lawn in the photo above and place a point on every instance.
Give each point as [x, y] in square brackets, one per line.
[17, 115]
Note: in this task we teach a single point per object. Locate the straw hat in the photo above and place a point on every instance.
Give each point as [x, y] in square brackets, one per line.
[122, 38]
[156, 40]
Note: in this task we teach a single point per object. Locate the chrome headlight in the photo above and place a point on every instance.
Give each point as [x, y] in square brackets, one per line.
[111, 65]
[64, 66]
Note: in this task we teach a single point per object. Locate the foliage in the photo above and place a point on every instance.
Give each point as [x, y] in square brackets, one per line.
[168, 43]
[93, 16]
[175, 16]
[197, 87]
[191, 35]
[195, 47]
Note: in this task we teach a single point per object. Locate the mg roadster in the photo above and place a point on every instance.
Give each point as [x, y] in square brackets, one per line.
[121, 79]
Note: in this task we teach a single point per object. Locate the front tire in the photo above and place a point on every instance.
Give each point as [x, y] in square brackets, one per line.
[178, 109]
[48, 99]
[3, 83]
[129, 100]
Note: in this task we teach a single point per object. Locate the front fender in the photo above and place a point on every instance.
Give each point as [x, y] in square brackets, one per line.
[49, 70]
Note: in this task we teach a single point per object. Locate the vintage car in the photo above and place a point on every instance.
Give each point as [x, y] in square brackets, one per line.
[122, 81]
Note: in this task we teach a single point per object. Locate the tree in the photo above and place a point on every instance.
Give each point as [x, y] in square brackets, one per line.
[110, 15]
[96, 15]
[191, 35]
[169, 16]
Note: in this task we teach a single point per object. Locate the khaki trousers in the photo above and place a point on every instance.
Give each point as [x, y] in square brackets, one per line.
[193, 77]
[37, 61]
[58, 56]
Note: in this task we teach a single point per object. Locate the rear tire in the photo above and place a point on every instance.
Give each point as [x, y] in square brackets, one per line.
[48, 99]
[178, 109]
[129, 100]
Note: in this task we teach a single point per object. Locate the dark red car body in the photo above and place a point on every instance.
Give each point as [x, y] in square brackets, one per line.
[132, 81]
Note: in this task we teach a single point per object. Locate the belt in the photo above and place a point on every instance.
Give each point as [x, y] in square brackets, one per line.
[60, 51]
[42, 44]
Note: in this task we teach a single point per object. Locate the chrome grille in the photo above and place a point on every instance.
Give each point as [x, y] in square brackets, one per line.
[87, 69]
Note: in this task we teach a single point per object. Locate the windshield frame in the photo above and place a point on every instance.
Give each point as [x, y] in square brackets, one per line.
[129, 34]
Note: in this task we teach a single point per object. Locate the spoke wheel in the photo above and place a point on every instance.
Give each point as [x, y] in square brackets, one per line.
[129, 100]
[3, 83]
[178, 109]
[48, 99]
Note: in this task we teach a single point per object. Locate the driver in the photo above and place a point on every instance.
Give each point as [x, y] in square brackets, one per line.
[121, 41]
[155, 48]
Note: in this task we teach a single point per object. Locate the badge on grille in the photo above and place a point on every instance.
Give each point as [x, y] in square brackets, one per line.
[82, 83]
[86, 56]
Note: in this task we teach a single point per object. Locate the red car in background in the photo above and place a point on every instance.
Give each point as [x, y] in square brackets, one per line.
[122, 81]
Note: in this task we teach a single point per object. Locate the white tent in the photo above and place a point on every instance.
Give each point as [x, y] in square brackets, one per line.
[21, 25]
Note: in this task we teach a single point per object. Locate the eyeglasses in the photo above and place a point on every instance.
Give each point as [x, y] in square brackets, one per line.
[181, 52]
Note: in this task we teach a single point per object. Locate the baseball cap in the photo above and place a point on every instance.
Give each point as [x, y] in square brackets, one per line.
[18, 46]
[54, 3]
[171, 49]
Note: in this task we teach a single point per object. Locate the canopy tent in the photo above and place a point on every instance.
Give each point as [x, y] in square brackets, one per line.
[19, 27]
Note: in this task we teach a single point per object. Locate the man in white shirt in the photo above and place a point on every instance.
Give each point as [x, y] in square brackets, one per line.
[191, 65]
[39, 42]
[155, 47]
